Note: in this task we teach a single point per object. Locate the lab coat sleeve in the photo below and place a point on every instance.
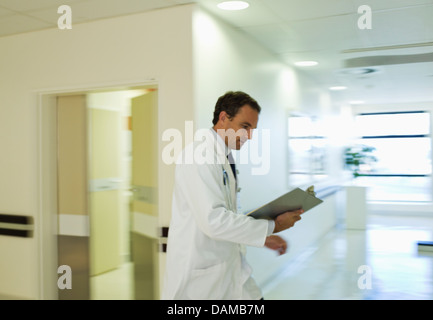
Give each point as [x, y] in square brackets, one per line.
[204, 193]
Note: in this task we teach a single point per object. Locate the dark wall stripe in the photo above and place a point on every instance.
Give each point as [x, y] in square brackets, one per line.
[9, 218]
[164, 247]
[18, 230]
[16, 233]
[164, 232]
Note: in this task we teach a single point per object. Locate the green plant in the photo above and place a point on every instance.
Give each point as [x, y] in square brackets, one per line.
[358, 155]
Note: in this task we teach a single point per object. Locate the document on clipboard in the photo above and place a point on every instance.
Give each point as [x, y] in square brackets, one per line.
[290, 201]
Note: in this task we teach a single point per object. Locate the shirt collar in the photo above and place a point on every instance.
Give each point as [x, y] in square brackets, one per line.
[221, 142]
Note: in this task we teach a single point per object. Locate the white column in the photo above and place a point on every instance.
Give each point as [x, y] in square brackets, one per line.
[356, 208]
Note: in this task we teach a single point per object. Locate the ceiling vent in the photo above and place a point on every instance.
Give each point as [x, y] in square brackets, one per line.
[363, 62]
[359, 71]
[364, 72]
[393, 47]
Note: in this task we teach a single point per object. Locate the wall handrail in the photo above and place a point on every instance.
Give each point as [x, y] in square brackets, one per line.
[16, 225]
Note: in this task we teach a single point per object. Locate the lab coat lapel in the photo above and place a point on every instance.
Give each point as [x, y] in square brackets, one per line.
[232, 184]
[222, 158]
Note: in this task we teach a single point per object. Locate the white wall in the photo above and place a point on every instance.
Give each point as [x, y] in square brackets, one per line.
[106, 53]
[226, 59]
[194, 57]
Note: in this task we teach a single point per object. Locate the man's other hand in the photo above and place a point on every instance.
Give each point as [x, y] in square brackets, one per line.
[276, 243]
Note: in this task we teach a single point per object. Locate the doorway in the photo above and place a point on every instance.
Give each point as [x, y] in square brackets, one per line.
[106, 191]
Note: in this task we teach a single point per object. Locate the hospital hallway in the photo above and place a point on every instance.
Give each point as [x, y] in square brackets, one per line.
[329, 270]
[388, 247]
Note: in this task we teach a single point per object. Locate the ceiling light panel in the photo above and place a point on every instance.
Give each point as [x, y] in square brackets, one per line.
[233, 5]
[306, 63]
[337, 88]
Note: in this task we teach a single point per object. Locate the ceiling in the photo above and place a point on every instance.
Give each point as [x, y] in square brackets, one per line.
[397, 51]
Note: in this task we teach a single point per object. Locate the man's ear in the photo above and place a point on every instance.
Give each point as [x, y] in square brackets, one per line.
[223, 116]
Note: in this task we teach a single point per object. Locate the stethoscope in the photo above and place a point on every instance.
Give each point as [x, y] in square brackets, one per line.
[227, 188]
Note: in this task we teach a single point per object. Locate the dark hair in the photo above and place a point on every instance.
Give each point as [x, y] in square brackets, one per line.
[231, 102]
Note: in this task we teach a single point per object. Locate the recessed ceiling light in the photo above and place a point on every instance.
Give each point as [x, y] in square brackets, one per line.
[233, 5]
[337, 88]
[306, 63]
[357, 102]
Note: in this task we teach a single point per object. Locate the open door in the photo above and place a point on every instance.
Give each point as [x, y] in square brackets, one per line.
[73, 215]
[104, 190]
[144, 203]
[79, 181]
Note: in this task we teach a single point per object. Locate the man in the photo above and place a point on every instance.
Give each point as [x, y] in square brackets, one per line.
[207, 237]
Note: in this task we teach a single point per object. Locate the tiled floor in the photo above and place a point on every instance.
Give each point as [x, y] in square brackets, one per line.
[381, 262]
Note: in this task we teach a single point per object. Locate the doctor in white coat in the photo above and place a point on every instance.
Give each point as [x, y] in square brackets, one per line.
[207, 237]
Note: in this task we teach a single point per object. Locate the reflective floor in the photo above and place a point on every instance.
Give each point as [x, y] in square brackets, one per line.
[113, 285]
[382, 262]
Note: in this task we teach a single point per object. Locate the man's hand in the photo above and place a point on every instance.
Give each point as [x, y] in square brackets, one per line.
[276, 243]
[287, 220]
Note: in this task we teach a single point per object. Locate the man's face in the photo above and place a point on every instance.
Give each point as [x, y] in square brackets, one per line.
[240, 128]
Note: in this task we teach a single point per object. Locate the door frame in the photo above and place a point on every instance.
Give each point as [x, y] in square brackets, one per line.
[47, 228]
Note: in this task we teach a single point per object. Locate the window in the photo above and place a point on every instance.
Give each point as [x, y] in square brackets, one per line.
[402, 146]
[307, 150]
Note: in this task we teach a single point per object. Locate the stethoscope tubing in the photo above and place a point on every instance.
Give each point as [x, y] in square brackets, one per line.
[226, 182]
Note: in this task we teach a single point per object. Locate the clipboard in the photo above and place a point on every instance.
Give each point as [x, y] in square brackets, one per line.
[290, 201]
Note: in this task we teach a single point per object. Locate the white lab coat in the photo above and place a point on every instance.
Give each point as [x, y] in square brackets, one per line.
[207, 237]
